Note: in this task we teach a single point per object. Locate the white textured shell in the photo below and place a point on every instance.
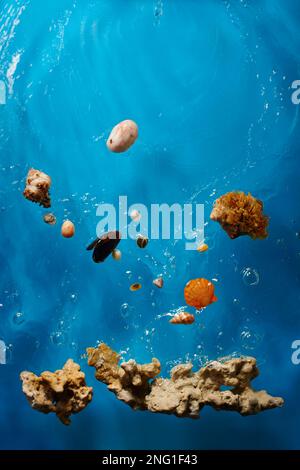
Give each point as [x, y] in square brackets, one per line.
[122, 136]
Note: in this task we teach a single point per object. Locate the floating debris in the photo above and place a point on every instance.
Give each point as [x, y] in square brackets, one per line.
[135, 215]
[63, 392]
[142, 241]
[117, 255]
[240, 214]
[199, 293]
[202, 248]
[104, 246]
[183, 318]
[159, 282]
[185, 393]
[19, 318]
[37, 187]
[68, 229]
[136, 286]
[49, 219]
[122, 136]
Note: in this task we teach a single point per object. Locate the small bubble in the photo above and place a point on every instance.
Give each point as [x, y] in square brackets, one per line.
[57, 338]
[249, 339]
[19, 318]
[250, 277]
[126, 310]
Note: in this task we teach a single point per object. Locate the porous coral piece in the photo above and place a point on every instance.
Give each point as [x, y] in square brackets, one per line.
[37, 187]
[240, 214]
[63, 392]
[129, 381]
[185, 393]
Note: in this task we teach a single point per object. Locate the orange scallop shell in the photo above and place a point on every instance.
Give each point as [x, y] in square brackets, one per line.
[199, 293]
[183, 318]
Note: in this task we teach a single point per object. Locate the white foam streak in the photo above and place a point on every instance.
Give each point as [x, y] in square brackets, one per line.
[11, 71]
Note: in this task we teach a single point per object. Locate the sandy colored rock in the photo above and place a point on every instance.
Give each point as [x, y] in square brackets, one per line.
[49, 219]
[63, 392]
[130, 381]
[240, 214]
[185, 393]
[37, 187]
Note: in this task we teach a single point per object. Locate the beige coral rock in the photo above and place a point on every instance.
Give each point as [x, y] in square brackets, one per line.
[240, 214]
[129, 381]
[63, 392]
[37, 187]
[185, 393]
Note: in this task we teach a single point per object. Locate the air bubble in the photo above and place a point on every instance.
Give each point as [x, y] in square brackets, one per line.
[18, 318]
[249, 339]
[126, 310]
[250, 277]
[57, 338]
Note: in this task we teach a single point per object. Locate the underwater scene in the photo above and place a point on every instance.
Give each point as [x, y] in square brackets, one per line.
[150, 226]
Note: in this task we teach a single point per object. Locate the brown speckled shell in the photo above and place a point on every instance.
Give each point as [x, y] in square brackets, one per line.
[183, 318]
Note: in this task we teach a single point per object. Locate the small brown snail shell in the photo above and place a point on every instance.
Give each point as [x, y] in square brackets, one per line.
[183, 318]
[142, 241]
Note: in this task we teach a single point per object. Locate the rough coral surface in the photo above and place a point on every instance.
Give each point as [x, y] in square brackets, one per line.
[37, 187]
[130, 381]
[185, 393]
[63, 392]
[240, 214]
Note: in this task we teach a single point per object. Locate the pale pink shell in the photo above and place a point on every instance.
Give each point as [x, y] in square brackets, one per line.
[122, 136]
